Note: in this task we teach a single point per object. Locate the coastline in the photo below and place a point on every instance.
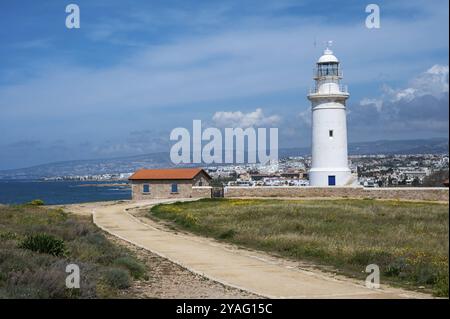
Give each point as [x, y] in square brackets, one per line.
[105, 185]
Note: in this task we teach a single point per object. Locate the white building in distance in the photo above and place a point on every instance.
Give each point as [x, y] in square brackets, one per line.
[329, 165]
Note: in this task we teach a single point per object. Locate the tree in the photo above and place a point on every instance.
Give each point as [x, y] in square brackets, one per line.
[436, 179]
[416, 182]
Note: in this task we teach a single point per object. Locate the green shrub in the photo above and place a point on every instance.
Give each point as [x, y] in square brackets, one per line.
[368, 256]
[189, 220]
[227, 234]
[441, 289]
[36, 202]
[397, 268]
[25, 273]
[8, 235]
[43, 282]
[425, 274]
[136, 269]
[97, 239]
[117, 278]
[44, 243]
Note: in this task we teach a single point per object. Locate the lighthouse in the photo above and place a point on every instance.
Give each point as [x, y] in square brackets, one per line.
[329, 165]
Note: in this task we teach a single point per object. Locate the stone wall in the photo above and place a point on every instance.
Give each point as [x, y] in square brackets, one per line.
[201, 192]
[161, 189]
[405, 193]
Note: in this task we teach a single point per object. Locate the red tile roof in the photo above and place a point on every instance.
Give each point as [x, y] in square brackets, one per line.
[161, 174]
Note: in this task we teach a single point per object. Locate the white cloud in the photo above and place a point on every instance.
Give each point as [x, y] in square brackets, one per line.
[433, 81]
[377, 103]
[244, 120]
[247, 58]
[420, 109]
[232, 63]
[305, 116]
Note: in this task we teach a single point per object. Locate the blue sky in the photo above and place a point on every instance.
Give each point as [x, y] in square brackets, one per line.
[137, 69]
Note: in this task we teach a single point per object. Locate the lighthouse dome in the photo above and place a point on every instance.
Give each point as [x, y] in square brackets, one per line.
[328, 57]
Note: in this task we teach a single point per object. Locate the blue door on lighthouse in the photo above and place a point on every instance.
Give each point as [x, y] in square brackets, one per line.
[331, 180]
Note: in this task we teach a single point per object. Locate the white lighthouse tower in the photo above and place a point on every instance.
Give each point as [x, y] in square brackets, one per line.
[329, 125]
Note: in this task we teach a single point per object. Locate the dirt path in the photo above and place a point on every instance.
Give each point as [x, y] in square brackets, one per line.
[254, 272]
[166, 279]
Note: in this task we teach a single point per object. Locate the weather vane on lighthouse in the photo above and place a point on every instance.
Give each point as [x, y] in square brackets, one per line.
[329, 165]
[329, 44]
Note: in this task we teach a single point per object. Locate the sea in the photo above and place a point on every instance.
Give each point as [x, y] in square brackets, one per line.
[62, 192]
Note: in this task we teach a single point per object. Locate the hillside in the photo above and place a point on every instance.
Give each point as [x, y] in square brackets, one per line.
[156, 160]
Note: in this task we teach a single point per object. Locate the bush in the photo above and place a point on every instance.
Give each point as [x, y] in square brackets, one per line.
[397, 268]
[442, 286]
[8, 235]
[44, 243]
[189, 220]
[136, 269]
[36, 202]
[43, 282]
[117, 278]
[32, 236]
[425, 274]
[227, 234]
[368, 256]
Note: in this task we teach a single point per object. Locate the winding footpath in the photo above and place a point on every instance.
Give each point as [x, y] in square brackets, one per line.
[244, 269]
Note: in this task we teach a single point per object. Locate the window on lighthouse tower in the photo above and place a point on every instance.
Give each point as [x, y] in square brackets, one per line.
[330, 133]
[328, 69]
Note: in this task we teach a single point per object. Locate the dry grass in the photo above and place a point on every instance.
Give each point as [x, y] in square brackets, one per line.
[106, 270]
[408, 241]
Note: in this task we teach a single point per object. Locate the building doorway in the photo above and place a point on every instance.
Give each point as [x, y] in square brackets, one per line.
[331, 180]
[217, 192]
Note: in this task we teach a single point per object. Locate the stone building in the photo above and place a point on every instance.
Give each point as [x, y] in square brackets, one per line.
[170, 183]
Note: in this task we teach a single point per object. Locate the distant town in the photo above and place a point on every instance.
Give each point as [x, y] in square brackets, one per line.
[372, 170]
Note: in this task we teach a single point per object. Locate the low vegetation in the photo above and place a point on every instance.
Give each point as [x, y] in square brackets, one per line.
[36, 202]
[44, 243]
[436, 179]
[36, 245]
[407, 240]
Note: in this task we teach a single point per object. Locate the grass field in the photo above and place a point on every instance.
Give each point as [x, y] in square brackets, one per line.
[407, 240]
[36, 245]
